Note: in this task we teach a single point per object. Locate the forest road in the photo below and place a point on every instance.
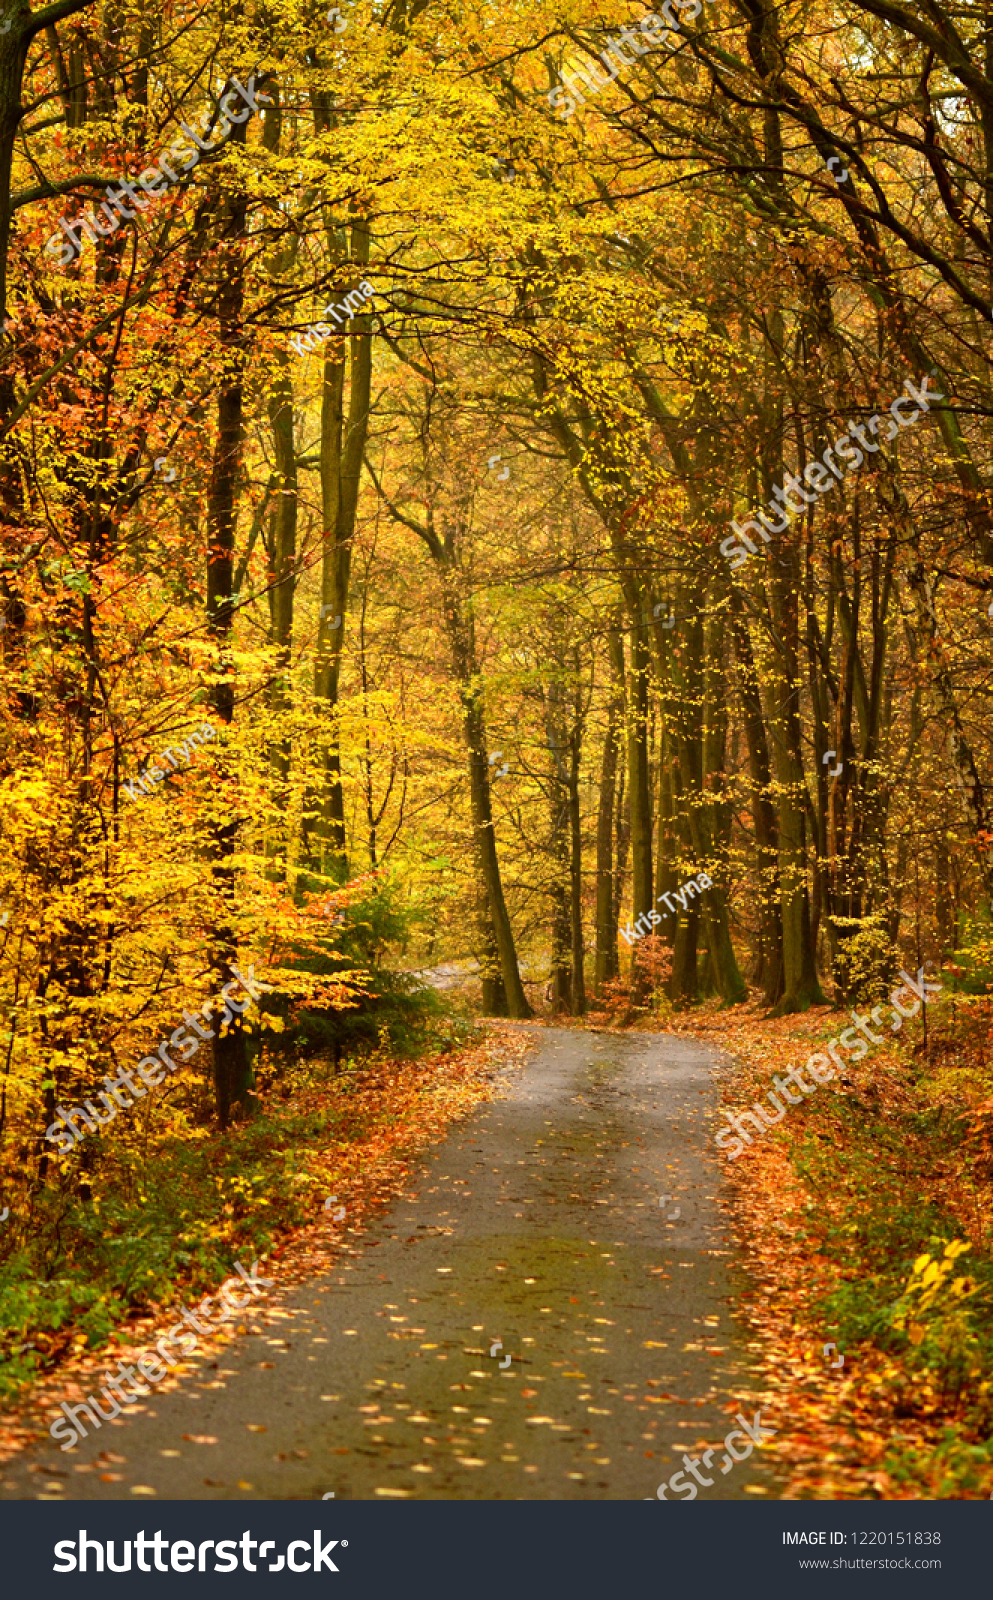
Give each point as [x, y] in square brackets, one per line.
[536, 1223]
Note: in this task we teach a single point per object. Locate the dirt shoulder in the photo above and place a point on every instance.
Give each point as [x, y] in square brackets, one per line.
[865, 1214]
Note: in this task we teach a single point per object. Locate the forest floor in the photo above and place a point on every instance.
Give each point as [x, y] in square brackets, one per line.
[833, 1206]
[535, 1223]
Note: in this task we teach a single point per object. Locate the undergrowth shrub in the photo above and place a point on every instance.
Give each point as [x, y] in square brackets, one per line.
[392, 1010]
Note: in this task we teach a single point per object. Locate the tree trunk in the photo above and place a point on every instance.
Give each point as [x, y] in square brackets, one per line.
[769, 965]
[14, 45]
[232, 1072]
[700, 753]
[494, 995]
[343, 440]
[623, 827]
[667, 845]
[684, 983]
[639, 787]
[282, 567]
[605, 959]
[801, 988]
[482, 818]
[461, 635]
[576, 877]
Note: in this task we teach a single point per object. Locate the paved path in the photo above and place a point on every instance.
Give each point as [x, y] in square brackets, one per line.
[536, 1223]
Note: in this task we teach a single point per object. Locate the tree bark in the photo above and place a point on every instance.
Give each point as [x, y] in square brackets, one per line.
[639, 787]
[605, 958]
[560, 929]
[232, 1072]
[461, 633]
[700, 758]
[482, 818]
[282, 569]
[343, 441]
[769, 965]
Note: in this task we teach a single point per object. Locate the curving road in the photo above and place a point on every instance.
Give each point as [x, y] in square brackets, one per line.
[536, 1223]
